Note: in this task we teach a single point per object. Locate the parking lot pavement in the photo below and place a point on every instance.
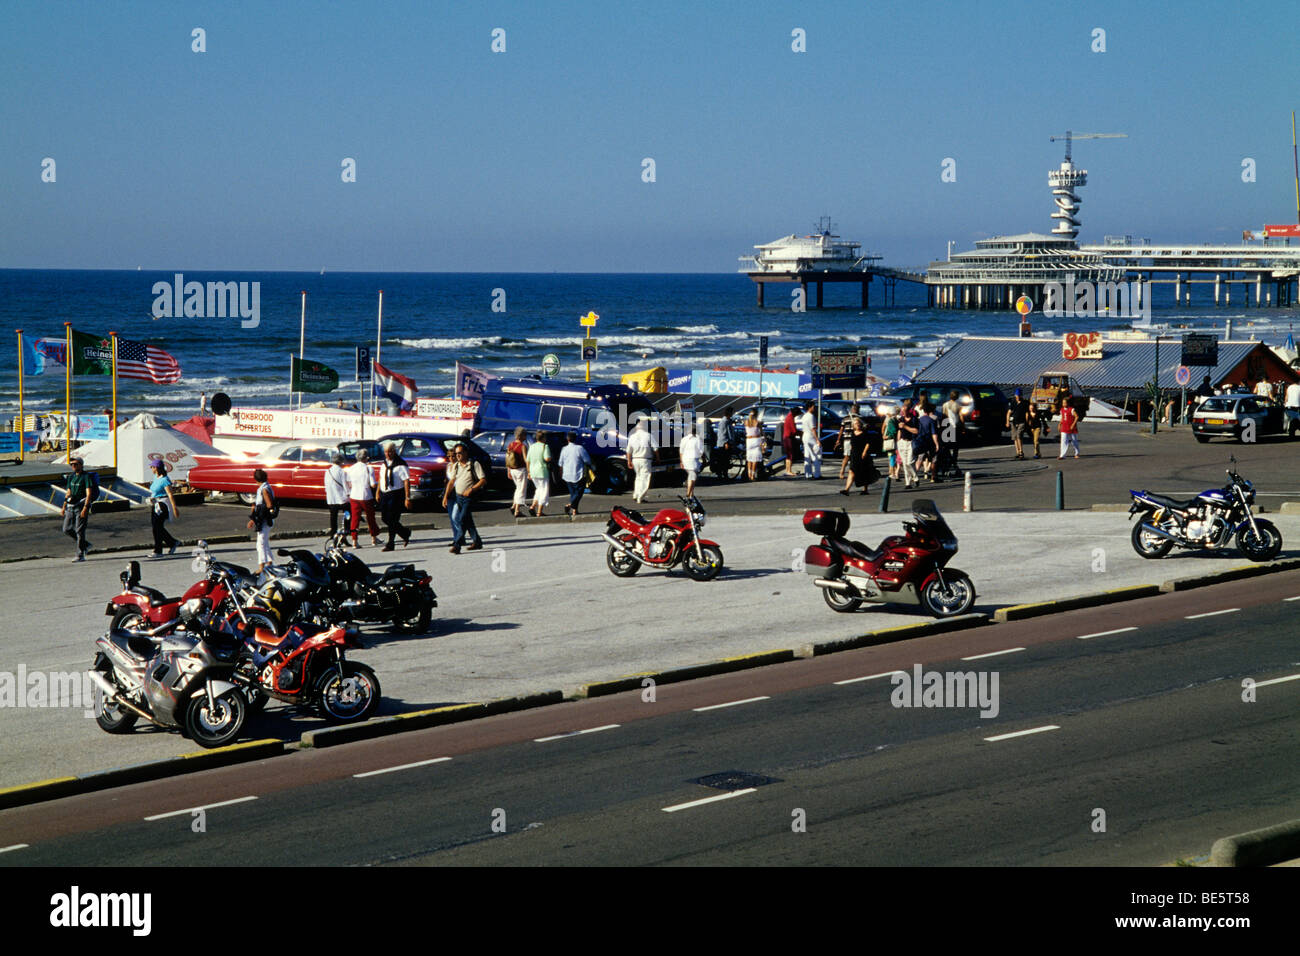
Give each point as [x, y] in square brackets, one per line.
[538, 610]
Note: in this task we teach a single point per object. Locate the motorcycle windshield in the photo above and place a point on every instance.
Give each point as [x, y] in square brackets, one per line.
[927, 515]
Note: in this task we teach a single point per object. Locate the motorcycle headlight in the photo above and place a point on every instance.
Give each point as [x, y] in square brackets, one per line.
[700, 520]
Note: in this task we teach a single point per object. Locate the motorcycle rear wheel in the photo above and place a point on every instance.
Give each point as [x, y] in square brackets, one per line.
[1263, 546]
[705, 570]
[1150, 545]
[840, 600]
[350, 698]
[112, 717]
[619, 563]
[219, 725]
[417, 623]
[128, 617]
[957, 598]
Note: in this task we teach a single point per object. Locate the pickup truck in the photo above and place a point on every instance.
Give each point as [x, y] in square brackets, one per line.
[1054, 389]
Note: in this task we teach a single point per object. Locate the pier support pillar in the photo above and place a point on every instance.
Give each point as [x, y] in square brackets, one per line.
[761, 286]
[1216, 289]
[1178, 288]
[979, 296]
[1259, 287]
[819, 295]
[865, 287]
[804, 287]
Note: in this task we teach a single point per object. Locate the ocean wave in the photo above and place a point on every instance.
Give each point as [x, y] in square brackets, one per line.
[462, 343]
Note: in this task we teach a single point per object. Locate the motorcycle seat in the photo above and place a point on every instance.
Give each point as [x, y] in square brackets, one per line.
[634, 516]
[854, 549]
[268, 638]
[155, 596]
[140, 648]
[1174, 503]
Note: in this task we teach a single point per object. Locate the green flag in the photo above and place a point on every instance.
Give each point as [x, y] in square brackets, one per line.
[309, 376]
[91, 354]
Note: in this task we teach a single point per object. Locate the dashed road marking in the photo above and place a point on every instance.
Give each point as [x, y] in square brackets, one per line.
[730, 703]
[1226, 610]
[1022, 733]
[699, 803]
[16, 846]
[405, 766]
[1009, 650]
[208, 806]
[1277, 680]
[1118, 630]
[573, 733]
[854, 680]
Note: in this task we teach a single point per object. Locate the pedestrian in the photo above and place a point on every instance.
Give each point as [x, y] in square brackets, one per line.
[83, 489]
[361, 497]
[726, 445]
[846, 429]
[907, 431]
[465, 477]
[517, 469]
[1017, 421]
[261, 519]
[1203, 391]
[394, 494]
[925, 446]
[862, 470]
[812, 444]
[539, 470]
[574, 462]
[691, 453]
[788, 432]
[1069, 430]
[641, 457]
[950, 434]
[1292, 399]
[1035, 424]
[162, 508]
[203, 403]
[753, 445]
[336, 490]
[889, 440]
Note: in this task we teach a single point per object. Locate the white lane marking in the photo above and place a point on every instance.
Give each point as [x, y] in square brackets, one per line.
[1296, 598]
[730, 703]
[208, 806]
[16, 846]
[1021, 733]
[854, 680]
[1118, 630]
[573, 733]
[699, 803]
[1277, 680]
[1226, 610]
[1009, 650]
[405, 766]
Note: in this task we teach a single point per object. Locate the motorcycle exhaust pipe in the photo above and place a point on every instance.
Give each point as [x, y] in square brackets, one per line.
[624, 548]
[111, 692]
[833, 585]
[1159, 531]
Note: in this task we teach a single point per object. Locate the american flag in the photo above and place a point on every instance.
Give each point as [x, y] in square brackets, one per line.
[146, 362]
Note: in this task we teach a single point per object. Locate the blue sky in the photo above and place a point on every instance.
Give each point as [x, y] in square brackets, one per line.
[531, 160]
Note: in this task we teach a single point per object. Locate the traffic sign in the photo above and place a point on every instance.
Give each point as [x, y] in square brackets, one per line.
[762, 351]
[550, 365]
[1183, 375]
[363, 362]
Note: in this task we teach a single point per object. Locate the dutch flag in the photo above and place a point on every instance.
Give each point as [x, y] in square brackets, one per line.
[398, 389]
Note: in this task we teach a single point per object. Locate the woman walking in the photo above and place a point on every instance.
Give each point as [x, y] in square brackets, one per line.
[539, 470]
[336, 490]
[889, 442]
[862, 470]
[1069, 430]
[517, 468]
[163, 509]
[261, 518]
[753, 445]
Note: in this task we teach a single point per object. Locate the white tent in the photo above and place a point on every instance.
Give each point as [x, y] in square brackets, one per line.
[140, 442]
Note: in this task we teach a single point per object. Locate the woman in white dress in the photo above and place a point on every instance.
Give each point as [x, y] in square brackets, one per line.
[753, 445]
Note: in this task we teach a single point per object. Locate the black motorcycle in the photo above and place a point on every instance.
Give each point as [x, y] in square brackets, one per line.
[402, 594]
[1208, 521]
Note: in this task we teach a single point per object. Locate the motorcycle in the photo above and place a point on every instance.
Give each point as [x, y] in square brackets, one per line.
[176, 682]
[139, 607]
[306, 665]
[1208, 521]
[906, 569]
[401, 594]
[669, 539]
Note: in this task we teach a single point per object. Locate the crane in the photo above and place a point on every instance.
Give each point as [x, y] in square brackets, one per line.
[1070, 136]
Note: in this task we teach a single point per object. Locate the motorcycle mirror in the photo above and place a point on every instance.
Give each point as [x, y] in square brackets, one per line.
[284, 553]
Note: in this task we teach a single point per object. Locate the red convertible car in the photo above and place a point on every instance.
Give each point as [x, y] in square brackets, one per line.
[295, 470]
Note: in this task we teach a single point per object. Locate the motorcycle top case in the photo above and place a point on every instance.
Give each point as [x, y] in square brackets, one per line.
[831, 524]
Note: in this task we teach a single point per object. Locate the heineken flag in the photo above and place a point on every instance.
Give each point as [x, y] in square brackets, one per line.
[91, 354]
[309, 376]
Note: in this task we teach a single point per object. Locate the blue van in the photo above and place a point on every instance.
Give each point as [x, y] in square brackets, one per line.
[601, 414]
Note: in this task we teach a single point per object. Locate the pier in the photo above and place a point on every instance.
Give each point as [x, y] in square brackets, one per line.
[863, 276]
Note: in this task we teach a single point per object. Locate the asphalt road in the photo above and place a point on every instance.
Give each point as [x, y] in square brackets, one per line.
[1144, 701]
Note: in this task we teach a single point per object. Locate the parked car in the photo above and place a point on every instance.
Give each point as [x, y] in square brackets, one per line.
[1225, 416]
[983, 405]
[771, 415]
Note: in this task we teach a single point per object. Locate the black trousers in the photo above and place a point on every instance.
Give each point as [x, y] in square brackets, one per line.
[391, 509]
[162, 538]
[335, 510]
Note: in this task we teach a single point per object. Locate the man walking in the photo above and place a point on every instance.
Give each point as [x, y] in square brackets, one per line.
[574, 462]
[464, 477]
[812, 445]
[1069, 430]
[1017, 421]
[691, 451]
[361, 497]
[336, 490]
[641, 456]
[907, 432]
[83, 489]
[725, 446]
[394, 494]
[950, 435]
[787, 441]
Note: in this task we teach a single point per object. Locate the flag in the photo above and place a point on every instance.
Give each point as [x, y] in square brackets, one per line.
[39, 355]
[470, 382]
[398, 389]
[309, 376]
[147, 363]
[91, 354]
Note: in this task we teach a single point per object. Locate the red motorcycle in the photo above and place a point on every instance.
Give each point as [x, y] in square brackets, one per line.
[144, 608]
[669, 539]
[905, 569]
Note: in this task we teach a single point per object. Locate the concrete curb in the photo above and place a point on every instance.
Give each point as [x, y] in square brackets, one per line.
[421, 719]
[675, 675]
[890, 634]
[1018, 612]
[1263, 847]
[59, 787]
[1289, 508]
[1230, 574]
[1111, 507]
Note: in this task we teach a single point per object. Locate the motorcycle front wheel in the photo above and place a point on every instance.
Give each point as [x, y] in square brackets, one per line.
[217, 725]
[841, 601]
[619, 563]
[1150, 545]
[1261, 545]
[705, 570]
[955, 596]
[350, 697]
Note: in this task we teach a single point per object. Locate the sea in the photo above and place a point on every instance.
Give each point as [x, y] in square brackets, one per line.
[502, 323]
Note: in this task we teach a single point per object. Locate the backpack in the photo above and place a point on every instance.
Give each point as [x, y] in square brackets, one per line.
[512, 459]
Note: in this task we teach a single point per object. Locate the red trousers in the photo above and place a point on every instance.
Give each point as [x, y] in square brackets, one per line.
[369, 507]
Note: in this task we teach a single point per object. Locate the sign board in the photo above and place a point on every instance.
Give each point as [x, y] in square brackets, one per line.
[1081, 345]
[272, 424]
[1183, 375]
[762, 351]
[445, 408]
[1292, 231]
[744, 384]
[839, 368]
[550, 365]
[9, 442]
[1200, 349]
[363, 363]
[589, 350]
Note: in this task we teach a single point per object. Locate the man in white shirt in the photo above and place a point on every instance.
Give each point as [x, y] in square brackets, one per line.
[361, 496]
[812, 446]
[692, 451]
[394, 494]
[641, 456]
[1293, 396]
[336, 490]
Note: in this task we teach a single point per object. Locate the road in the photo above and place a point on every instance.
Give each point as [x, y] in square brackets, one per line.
[1144, 702]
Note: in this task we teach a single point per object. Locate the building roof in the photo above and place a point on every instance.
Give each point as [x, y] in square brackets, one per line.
[1125, 364]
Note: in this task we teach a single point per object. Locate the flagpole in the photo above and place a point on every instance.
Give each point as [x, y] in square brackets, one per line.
[291, 386]
[112, 426]
[302, 339]
[379, 338]
[67, 391]
[22, 418]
